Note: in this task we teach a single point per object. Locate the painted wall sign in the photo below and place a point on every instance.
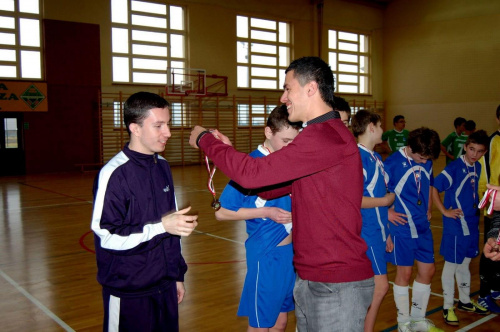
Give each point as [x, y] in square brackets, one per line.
[23, 96]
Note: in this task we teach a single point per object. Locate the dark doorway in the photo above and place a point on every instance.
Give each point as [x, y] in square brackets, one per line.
[12, 160]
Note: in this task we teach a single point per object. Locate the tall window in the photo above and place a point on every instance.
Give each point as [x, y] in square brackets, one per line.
[349, 57]
[147, 38]
[258, 113]
[20, 51]
[263, 52]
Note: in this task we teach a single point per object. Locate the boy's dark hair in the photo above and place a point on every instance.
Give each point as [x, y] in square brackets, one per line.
[137, 106]
[278, 119]
[479, 137]
[470, 125]
[458, 122]
[310, 68]
[498, 112]
[397, 118]
[361, 119]
[340, 104]
[425, 142]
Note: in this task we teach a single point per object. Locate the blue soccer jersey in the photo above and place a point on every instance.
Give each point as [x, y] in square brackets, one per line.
[459, 181]
[411, 183]
[374, 229]
[263, 234]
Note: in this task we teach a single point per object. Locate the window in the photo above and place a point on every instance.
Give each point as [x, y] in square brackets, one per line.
[20, 36]
[178, 115]
[147, 38]
[117, 114]
[349, 58]
[262, 52]
[258, 113]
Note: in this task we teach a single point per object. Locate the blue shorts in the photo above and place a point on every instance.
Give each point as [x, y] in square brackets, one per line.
[407, 250]
[454, 248]
[268, 288]
[376, 254]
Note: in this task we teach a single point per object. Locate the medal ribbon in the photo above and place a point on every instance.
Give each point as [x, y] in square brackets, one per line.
[379, 164]
[211, 173]
[472, 179]
[417, 182]
[484, 200]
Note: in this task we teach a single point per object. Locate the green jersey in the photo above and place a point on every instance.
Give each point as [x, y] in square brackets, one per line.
[395, 139]
[448, 143]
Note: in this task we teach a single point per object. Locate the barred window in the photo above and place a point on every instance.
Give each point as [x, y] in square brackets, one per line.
[20, 39]
[349, 57]
[262, 52]
[147, 38]
[258, 114]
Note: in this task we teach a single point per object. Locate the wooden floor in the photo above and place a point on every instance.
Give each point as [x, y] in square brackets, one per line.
[47, 264]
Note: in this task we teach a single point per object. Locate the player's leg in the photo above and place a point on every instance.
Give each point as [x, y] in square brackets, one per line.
[448, 283]
[381, 288]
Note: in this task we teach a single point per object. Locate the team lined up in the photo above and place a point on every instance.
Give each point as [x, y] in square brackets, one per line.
[351, 212]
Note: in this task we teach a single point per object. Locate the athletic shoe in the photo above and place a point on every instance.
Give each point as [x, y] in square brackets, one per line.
[472, 307]
[424, 325]
[487, 302]
[495, 295]
[405, 327]
[449, 317]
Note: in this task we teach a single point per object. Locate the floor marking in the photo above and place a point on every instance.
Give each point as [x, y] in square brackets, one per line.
[477, 323]
[218, 237]
[44, 206]
[46, 310]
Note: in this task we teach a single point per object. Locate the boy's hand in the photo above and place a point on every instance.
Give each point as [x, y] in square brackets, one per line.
[397, 218]
[389, 245]
[453, 213]
[221, 137]
[178, 223]
[491, 249]
[279, 216]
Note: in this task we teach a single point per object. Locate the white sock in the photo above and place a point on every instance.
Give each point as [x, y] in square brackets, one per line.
[448, 283]
[419, 300]
[463, 281]
[402, 298]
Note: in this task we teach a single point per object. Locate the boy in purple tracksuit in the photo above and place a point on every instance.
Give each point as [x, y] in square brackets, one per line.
[136, 227]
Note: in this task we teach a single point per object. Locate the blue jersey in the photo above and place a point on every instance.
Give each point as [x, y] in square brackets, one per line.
[459, 182]
[374, 229]
[263, 234]
[411, 183]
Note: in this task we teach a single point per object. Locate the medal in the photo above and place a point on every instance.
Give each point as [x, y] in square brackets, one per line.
[419, 202]
[215, 203]
[416, 177]
[379, 164]
[474, 206]
[472, 180]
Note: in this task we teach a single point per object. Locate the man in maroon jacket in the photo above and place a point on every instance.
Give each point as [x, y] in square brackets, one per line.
[322, 170]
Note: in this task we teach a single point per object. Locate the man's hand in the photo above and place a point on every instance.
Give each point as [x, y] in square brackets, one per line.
[396, 217]
[178, 223]
[197, 130]
[221, 137]
[180, 291]
[491, 250]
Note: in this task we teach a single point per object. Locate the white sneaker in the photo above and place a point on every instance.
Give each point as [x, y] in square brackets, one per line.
[424, 325]
[405, 327]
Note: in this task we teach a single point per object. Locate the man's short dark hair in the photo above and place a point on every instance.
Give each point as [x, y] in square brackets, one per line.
[310, 68]
[425, 142]
[459, 121]
[397, 118]
[278, 119]
[479, 137]
[138, 105]
[361, 119]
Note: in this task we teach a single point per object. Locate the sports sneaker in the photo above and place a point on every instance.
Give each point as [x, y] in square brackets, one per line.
[424, 325]
[487, 302]
[449, 317]
[495, 295]
[405, 327]
[472, 307]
